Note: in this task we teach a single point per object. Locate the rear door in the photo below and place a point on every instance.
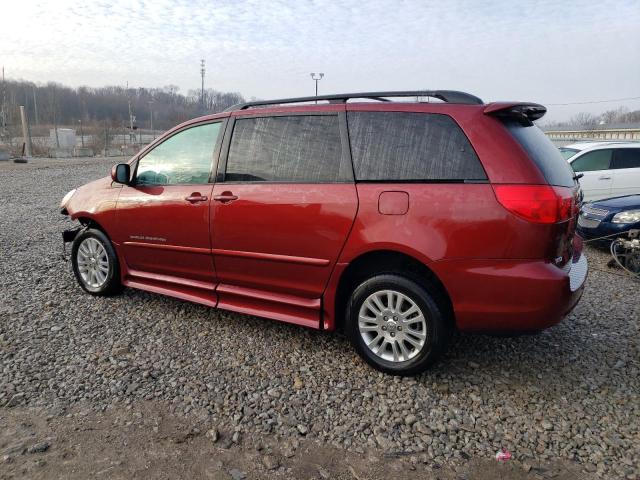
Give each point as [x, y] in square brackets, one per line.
[626, 171]
[597, 178]
[283, 205]
[163, 216]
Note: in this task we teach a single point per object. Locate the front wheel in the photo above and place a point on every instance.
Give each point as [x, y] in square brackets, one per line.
[396, 325]
[95, 263]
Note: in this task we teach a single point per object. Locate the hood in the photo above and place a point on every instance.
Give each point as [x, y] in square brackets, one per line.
[626, 202]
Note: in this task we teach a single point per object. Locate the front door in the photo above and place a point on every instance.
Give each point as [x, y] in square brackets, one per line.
[163, 216]
[597, 177]
[281, 213]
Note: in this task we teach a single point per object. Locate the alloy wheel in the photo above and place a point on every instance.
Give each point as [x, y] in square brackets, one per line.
[93, 262]
[392, 326]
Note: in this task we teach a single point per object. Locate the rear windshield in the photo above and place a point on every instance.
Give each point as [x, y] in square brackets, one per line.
[552, 164]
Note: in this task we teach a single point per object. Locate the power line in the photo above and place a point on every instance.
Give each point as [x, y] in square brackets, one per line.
[594, 101]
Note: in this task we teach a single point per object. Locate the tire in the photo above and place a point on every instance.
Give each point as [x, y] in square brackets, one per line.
[396, 332]
[95, 263]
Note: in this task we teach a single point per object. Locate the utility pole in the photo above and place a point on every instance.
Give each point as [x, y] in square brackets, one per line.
[55, 118]
[106, 138]
[151, 118]
[130, 116]
[317, 79]
[202, 70]
[3, 114]
[35, 106]
[81, 133]
[25, 132]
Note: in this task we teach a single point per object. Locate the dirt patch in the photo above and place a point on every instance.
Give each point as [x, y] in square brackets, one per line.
[146, 441]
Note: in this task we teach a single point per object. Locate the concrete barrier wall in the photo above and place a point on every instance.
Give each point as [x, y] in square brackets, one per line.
[620, 134]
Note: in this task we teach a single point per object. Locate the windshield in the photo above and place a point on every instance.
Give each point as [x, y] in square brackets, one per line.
[567, 153]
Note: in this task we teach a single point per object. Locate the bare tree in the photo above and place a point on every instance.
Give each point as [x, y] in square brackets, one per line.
[583, 120]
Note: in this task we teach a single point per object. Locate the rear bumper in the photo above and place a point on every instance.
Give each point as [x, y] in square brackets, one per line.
[512, 295]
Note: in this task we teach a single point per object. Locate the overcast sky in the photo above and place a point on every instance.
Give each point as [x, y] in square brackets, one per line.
[545, 51]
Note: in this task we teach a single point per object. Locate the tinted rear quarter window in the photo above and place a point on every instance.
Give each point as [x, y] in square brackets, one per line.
[297, 148]
[626, 158]
[406, 146]
[544, 153]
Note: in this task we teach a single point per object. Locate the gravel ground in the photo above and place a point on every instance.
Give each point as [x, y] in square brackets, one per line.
[566, 398]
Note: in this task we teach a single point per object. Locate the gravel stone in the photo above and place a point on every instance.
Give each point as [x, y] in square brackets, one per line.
[237, 474]
[60, 347]
[213, 434]
[38, 447]
[323, 473]
[270, 462]
[410, 419]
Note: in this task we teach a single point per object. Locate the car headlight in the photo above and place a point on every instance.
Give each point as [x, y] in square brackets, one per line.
[66, 198]
[630, 216]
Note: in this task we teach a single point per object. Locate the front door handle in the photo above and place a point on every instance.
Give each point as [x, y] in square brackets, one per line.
[196, 197]
[604, 178]
[225, 197]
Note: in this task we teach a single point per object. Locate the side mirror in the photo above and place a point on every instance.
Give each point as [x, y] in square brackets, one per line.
[121, 173]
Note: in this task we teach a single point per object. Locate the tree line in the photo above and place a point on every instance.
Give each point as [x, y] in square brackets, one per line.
[56, 104]
[618, 118]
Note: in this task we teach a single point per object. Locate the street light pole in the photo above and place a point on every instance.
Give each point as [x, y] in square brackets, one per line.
[317, 79]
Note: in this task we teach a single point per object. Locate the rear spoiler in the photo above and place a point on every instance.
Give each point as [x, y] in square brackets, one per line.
[525, 113]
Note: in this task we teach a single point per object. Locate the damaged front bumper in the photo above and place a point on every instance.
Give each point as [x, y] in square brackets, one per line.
[67, 237]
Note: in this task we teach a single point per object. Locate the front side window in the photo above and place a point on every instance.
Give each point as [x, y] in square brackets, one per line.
[592, 161]
[184, 158]
[626, 158]
[297, 148]
[397, 146]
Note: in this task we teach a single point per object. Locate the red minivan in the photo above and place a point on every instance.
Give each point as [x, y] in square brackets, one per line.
[395, 221]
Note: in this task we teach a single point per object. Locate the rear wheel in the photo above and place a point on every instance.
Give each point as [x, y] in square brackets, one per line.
[396, 325]
[95, 263]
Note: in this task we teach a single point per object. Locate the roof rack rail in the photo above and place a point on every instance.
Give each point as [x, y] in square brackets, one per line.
[448, 96]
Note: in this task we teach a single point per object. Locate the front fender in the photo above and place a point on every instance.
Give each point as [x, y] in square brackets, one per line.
[95, 201]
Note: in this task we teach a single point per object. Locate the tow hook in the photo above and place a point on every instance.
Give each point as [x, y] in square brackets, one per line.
[69, 236]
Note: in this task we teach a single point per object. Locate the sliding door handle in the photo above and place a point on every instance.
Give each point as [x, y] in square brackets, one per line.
[225, 198]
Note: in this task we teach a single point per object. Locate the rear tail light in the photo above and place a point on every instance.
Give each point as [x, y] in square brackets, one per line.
[538, 203]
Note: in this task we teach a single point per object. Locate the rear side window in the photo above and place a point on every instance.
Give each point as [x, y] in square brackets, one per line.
[626, 158]
[592, 161]
[297, 148]
[543, 152]
[399, 146]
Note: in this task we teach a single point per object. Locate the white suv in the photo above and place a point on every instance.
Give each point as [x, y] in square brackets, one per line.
[610, 169]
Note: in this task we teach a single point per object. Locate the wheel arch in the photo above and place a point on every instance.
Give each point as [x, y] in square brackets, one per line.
[381, 261]
[90, 222]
